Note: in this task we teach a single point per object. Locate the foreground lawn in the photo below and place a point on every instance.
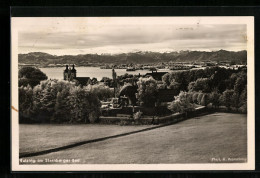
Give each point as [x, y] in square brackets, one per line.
[197, 140]
[37, 137]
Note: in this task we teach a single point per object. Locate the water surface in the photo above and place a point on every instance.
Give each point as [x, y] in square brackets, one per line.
[57, 72]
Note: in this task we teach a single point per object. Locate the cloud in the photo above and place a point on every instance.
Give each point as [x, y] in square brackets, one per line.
[119, 38]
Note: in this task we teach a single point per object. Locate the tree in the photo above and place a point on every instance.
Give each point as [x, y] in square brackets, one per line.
[30, 76]
[161, 86]
[59, 101]
[44, 97]
[222, 86]
[215, 98]
[200, 95]
[232, 80]
[85, 106]
[235, 100]
[182, 79]
[240, 84]
[201, 84]
[101, 91]
[175, 85]
[62, 106]
[181, 103]
[94, 81]
[232, 62]
[200, 74]
[221, 79]
[166, 79]
[179, 77]
[226, 98]
[191, 86]
[25, 103]
[107, 81]
[243, 101]
[205, 99]
[195, 97]
[147, 91]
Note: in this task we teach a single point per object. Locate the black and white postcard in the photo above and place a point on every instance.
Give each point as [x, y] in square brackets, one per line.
[132, 93]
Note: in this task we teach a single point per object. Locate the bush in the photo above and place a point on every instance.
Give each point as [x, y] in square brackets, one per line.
[93, 116]
[243, 109]
[137, 116]
[125, 122]
[181, 103]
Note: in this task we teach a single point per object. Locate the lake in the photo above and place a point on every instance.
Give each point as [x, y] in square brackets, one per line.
[57, 72]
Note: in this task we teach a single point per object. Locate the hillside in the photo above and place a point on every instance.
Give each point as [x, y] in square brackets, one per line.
[136, 57]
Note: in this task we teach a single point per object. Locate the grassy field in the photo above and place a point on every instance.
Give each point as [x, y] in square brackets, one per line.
[203, 139]
[36, 137]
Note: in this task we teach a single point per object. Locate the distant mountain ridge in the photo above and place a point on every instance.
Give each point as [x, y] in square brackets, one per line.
[133, 57]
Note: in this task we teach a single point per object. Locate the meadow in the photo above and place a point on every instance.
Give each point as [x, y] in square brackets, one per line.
[39, 137]
[204, 139]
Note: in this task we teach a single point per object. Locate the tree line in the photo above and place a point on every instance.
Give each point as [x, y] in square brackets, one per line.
[58, 101]
[61, 102]
[215, 85]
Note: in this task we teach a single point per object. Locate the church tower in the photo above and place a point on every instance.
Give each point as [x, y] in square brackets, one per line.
[69, 74]
[73, 72]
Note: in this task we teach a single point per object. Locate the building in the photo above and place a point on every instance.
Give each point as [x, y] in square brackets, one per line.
[156, 75]
[167, 95]
[70, 74]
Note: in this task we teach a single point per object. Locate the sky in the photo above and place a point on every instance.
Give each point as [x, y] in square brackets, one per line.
[72, 36]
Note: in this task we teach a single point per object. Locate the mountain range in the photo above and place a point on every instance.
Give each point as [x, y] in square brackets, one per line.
[39, 58]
